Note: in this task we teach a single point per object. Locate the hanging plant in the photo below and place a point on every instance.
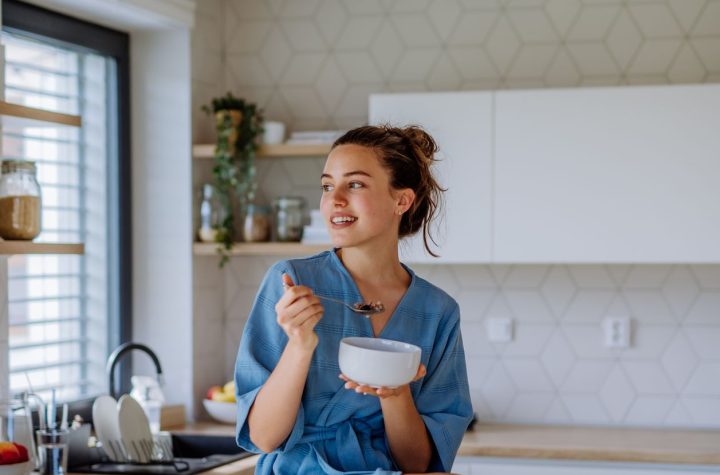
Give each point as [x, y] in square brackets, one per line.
[238, 124]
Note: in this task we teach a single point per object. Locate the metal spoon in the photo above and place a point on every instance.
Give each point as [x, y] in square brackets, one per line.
[366, 309]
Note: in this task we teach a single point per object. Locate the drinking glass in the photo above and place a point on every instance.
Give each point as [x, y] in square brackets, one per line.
[52, 451]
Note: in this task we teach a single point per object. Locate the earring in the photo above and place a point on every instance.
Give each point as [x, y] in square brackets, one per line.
[399, 212]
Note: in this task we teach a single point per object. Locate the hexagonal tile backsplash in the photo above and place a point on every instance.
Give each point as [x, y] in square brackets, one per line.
[556, 369]
[312, 63]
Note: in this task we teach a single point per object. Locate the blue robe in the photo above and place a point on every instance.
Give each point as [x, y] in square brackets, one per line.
[336, 429]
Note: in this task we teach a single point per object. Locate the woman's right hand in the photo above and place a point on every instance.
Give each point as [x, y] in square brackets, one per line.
[298, 311]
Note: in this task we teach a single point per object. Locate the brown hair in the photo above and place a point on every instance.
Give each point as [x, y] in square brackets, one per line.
[408, 153]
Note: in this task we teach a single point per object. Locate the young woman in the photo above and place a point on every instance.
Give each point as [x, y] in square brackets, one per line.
[293, 406]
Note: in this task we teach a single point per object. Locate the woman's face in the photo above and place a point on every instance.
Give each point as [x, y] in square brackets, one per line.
[358, 203]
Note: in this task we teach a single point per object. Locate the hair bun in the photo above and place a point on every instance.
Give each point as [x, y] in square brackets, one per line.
[421, 140]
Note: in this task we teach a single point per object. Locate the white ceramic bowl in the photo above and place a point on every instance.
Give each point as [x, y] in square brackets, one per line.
[378, 362]
[221, 411]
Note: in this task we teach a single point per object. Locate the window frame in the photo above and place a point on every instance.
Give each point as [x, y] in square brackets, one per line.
[34, 21]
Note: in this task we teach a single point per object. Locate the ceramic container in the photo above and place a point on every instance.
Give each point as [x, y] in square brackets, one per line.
[274, 132]
[378, 362]
[221, 411]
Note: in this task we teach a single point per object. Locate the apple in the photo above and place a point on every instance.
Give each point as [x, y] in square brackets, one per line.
[24, 456]
[213, 390]
[10, 454]
[225, 393]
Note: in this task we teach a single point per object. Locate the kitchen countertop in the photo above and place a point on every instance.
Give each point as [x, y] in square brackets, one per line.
[599, 444]
[607, 444]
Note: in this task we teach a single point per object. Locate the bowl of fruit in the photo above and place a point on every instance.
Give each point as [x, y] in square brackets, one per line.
[220, 403]
[14, 459]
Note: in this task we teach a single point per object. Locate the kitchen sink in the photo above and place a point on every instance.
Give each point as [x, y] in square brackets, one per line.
[198, 445]
[193, 453]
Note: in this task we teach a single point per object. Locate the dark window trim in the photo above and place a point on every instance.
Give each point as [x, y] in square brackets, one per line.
[82, 35]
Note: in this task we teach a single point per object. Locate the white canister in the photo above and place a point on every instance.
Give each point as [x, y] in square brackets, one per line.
[274, 132]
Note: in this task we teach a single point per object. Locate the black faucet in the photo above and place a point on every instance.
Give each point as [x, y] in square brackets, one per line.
[119, 352]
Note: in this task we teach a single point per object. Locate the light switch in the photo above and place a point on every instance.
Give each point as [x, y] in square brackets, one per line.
[617, 332]
[499, 330]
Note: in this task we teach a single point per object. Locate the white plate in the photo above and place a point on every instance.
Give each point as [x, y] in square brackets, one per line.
[107, 429]
[135, 430]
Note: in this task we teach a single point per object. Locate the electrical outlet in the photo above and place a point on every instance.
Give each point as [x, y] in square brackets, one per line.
[499, 330]
[617, 332]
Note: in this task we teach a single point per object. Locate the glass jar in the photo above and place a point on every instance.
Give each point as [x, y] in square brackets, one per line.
[288, 218]
[256, 225]
[16, 427]
[20, 202]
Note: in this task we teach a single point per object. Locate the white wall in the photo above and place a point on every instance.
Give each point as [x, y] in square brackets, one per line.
[162, 212]
[312, 64]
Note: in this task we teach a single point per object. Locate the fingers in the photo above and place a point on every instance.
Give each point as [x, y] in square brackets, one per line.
[368, 390]
[291, 295]
[287, 280]
[361, 388]
[312, 321]
[299, 310]
[301, 323]
[305, 316]
[421, 372]
[381, 392]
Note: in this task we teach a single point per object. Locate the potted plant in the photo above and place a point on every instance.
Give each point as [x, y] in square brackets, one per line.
[238, 124]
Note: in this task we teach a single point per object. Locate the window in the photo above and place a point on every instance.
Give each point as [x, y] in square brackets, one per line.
[66, 312]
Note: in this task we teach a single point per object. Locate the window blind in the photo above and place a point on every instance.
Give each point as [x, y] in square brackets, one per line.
[58, 304]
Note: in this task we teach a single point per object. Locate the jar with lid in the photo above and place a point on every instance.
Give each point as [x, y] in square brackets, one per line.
[256, 225]
[20, 201]
[288, 216]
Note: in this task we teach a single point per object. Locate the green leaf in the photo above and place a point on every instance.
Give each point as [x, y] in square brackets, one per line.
[234, 163]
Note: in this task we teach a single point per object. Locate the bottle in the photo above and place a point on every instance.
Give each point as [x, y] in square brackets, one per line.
[146, 391]
[151, 407]
[288, 218]
[208, 216]
[20, 201]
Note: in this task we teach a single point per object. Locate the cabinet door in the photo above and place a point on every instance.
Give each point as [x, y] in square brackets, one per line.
[608, 175]
[461, 124]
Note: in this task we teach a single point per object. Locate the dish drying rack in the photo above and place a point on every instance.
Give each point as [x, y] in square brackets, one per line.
[142, 452]
[156, 452]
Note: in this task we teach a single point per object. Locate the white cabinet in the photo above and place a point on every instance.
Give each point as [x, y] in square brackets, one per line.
[596, 175]
[607, 175]
[461, 123]
[521, 466]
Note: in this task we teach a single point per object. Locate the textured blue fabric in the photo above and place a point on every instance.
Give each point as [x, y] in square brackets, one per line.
[338, 430]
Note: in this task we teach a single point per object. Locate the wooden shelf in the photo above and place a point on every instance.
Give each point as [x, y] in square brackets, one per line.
[29, 113]
[262, 249]
[29, 247]
[206, 151]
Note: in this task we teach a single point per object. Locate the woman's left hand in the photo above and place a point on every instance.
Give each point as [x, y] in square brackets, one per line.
[381, 392]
